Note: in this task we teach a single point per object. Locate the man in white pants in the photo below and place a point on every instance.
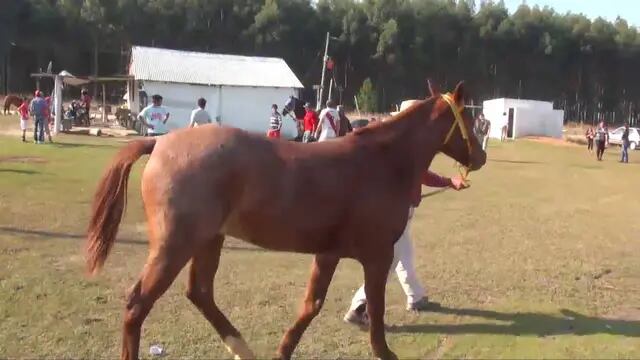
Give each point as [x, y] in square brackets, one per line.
[417, 299]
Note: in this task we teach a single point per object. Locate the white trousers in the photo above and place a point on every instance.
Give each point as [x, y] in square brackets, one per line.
[404, 267]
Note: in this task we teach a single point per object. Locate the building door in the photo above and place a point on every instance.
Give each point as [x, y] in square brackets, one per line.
[510, 124]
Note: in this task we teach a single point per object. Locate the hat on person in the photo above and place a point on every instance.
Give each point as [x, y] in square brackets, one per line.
[404, 106]
[38, 93]
[307, 105]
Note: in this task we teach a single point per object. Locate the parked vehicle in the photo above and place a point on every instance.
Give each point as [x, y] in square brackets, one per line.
[615, 137]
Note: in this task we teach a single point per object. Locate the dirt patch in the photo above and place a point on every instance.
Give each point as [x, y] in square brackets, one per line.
[23, 159]
[626, 314]
[551, 141]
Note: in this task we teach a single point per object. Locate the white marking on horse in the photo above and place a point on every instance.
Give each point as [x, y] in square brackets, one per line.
[238, 348]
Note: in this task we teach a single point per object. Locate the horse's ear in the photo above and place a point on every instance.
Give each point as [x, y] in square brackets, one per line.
[458, 93]
[434, 90]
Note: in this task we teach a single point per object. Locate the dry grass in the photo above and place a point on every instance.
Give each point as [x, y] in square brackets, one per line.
[538, 259]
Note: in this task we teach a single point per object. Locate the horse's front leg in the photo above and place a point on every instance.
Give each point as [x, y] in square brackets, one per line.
[322, 270]
[376, 270]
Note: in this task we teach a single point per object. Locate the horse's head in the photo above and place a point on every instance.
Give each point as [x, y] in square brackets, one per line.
[460, 143]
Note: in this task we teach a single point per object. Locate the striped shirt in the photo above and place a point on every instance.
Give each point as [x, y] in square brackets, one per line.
[275, 122]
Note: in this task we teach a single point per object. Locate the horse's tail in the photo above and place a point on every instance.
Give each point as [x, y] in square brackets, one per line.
[109, 203]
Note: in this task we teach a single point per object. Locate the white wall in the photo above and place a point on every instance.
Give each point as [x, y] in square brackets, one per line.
[531, 117]
[181, 99]
[538, 122]
[527, 104]
[493, 110]
[248, 108]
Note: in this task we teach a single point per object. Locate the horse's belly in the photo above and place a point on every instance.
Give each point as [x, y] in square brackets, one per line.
[280, 236]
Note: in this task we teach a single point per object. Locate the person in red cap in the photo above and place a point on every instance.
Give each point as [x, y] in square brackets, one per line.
[310, 123]
[38, 109]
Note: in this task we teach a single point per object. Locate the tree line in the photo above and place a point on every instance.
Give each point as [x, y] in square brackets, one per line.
[587, 67]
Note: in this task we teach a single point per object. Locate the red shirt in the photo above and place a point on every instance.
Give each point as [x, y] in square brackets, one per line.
[86, 100]
[429, 179]
[23, 110]
[310, 120]
[47, 109]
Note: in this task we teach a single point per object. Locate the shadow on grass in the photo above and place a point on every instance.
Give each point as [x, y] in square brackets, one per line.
[432, 193]
[532, 324]
[17, 171]
[45, 235]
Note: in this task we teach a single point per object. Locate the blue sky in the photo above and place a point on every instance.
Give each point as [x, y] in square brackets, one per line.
[607, 9]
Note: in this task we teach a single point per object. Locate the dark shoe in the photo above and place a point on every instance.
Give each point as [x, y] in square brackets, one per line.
[424, 305]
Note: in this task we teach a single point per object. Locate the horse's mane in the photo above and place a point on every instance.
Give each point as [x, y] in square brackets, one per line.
[393, 121]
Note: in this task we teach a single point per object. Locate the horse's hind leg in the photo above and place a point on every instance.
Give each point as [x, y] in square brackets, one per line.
[376, 271]
[322, 271]
[200, 291]
[163, 265]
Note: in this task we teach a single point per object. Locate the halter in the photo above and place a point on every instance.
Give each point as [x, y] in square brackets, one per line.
[458, 122]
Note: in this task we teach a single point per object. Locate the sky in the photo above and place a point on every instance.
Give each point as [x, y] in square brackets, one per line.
[608, 9]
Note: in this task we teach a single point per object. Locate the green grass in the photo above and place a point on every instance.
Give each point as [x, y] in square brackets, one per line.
[539, 258]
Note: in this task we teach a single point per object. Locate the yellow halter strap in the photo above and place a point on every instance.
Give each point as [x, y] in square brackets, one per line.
[459, 122]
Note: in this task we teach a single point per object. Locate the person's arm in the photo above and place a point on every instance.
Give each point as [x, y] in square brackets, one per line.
[316, 134]
[142, 118]
[432, 179]
[192, 121]
[166, 118]
[279, 121]
[316, 122]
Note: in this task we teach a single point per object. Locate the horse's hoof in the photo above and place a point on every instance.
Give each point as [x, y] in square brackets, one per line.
[390, 356]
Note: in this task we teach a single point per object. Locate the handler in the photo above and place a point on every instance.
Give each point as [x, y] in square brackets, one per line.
[417, 299]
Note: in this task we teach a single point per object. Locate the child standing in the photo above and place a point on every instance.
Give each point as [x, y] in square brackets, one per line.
[23, 113]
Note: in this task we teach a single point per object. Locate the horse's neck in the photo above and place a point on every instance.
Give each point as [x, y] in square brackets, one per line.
[411, 142]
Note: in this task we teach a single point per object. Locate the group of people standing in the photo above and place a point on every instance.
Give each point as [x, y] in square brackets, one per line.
[600, 137]
[331, 123]
[40, 110]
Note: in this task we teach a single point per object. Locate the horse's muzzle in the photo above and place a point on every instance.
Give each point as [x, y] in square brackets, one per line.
[478, 159]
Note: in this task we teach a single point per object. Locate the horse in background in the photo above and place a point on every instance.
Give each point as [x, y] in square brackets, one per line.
[9, 100]
[294, 107]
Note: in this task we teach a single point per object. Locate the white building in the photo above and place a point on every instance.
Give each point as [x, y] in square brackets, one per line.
[523, 118]
[239, 89]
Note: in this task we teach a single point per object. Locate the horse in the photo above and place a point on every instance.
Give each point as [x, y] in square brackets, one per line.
[294, 107]
[9, 100]
[202, 184]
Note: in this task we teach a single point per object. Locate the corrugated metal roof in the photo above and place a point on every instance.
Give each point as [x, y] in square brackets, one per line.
[190, 67]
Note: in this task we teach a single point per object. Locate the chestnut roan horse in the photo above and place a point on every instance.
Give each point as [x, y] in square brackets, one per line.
[345, 198]
[11, 100]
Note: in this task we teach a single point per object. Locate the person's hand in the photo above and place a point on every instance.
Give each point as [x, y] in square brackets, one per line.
[458, 183]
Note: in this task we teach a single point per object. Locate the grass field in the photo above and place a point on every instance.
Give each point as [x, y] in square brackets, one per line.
[539, 258]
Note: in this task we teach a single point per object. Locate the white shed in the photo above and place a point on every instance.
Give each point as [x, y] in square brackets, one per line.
[239, 89]
[523, 118]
